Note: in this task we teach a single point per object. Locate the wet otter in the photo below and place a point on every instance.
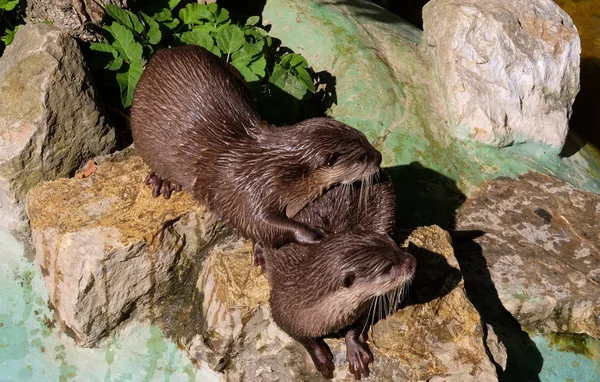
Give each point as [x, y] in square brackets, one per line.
[328, 288]
[195, 124]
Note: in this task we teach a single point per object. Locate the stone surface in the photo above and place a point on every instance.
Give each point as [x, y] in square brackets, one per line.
[71, 16]
[115, 255]
[383, 82]
[50, 122]
[542, 249]
[109, 250]
[509, 71]
[440, 335]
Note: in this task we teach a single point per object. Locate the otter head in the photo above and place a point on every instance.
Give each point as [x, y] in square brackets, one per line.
[327, 152]
[353, 269]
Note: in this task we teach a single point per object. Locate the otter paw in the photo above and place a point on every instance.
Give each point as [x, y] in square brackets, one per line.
[161, 186]
[308, 236]
[322, 358]
[259, 256]
[359, 357]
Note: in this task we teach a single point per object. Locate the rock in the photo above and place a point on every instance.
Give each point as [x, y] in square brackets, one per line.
[495, 347]
[387, 82]
[71, 16]
[439, 336]
[509, 71]
[115, 254]
[50, 122]
[232, 291]
[435, 338]
[542, 249]
[108, 250]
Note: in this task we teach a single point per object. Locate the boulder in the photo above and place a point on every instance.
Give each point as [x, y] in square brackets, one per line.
[542, 249]
[71, 16]
[50, 122]
[508, 71]
[108, 250]
[116, 254]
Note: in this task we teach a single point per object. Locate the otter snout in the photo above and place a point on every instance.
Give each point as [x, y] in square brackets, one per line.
[407, 266]
[371, 156]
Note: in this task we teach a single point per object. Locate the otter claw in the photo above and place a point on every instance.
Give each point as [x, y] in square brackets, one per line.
[259, 256]
[321, 357]
[161, 186]
[359, 357]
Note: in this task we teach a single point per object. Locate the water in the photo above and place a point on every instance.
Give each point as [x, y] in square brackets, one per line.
[32, 347]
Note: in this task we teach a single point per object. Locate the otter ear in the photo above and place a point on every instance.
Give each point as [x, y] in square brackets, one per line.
[348, 280]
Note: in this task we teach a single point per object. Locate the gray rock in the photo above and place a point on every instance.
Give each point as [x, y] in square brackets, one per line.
[495, 347]
[71, 16]
[50, 122]
[508, 70]
[116, 254]
[542, 249]
[113, 252]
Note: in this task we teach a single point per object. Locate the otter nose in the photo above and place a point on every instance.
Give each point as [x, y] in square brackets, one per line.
[410, 264]
[375, 156]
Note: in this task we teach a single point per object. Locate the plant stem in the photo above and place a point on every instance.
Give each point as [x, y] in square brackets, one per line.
[5, 19]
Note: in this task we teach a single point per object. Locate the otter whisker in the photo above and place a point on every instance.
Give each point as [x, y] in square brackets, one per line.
[368, 314]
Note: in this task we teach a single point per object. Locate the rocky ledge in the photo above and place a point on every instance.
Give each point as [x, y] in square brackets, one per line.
[110, 254]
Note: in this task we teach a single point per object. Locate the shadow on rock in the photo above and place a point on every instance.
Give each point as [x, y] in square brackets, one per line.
[524, 361]
[434, 277]
[584, 126]
[424, 197]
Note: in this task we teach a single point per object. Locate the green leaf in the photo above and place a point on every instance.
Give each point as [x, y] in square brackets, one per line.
[286, 81]
[252, 20]
[293, 60]
[212, 7]
[162, 16]
[125, 17]
[193, 13]
[124, 43]
[197, 37]
[216, 51]
[8, 5]
[10, 35]
[304, 77]
[246, 54]
[128, 81]
[172, 24]
[258, 67]
[221, 16]
[113, 62]
[154, 34]
[173, 4]
[230, 39]
[249, 76]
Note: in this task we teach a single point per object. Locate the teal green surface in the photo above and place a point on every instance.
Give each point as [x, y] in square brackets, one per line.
[386, 88]
[33, 349]
[569, 358]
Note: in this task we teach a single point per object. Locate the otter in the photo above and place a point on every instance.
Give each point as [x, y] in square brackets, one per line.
[195, 124]
[330, 288]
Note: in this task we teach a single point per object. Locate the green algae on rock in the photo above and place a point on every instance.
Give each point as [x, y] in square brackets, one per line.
[388, 87]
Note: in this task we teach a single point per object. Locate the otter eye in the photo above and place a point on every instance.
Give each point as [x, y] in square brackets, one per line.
[363, 157]
[388, 269]
[349, 280]
[333, 158]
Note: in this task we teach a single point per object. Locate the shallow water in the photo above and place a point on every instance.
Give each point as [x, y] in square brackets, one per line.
[32, 348]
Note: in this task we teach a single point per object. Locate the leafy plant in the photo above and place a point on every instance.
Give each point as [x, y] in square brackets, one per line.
[132, 38]
[10, 18]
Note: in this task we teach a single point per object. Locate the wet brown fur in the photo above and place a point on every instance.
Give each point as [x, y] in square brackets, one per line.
[195, 124]
[311, 296]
